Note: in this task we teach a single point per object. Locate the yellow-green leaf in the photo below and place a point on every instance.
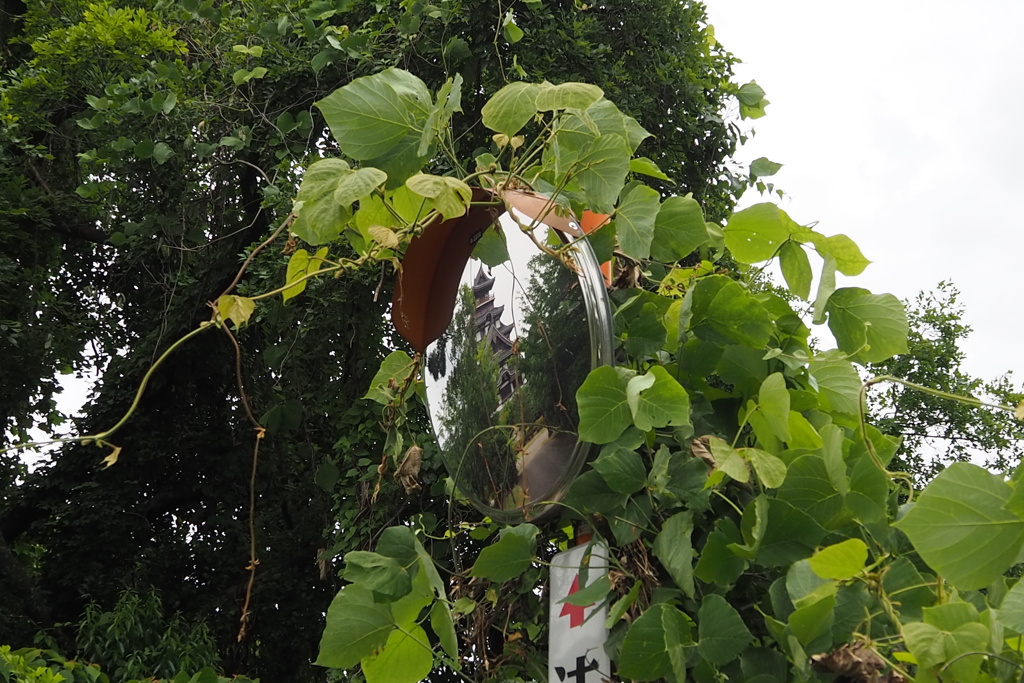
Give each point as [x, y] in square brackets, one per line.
[840, 561]
[301, 265]
[237, 309]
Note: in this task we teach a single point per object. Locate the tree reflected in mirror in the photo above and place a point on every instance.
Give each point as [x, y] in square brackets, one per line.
[502, 380]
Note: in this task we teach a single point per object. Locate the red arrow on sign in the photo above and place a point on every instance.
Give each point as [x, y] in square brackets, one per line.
[575, 612]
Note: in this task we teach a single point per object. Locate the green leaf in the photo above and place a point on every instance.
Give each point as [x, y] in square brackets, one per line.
[511, 108]
[872, 327]
[674, 548]
[634, 220]
[380, 574]
[813, 620]
[645, 166]
[722, 635]
[595, 592]
[777, 534]
[368, 117]
[441, 623]
[394, 372]
[622, 468]
[932, 646]
[567, 96]
[728, 460]
[773, 402]
[838, 385]
[770, 470]
[717, 563]
[796, 269]
[457, 49]
[679, 229]
[618, 610]
[449, 101]
[1011, 610]
[237, 309]
[512, 33]
[405, 658]
[647, 650]
[492, 248]
[731, 311]
[301, 265]
[809, 487]
[961, 529]
[645, 334]
[603, 405]
[449, 196]
[162, 152]
[826, 285]
[848, 257]
[356, 184]
[327, 476]
[509, 557]
[320, 218]
[761, 168]
[356, 627]
[750, 94]
[657, 400]
[601, 171]
[840, 561]
[756, 233]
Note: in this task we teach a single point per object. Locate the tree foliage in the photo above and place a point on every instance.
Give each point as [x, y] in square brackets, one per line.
[146, 150]
[751, 520]
[937, 431]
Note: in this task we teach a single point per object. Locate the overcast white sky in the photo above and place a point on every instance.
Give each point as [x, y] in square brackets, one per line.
[899, 124]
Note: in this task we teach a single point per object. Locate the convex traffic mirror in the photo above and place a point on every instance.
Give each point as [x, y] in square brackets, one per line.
[509, 332]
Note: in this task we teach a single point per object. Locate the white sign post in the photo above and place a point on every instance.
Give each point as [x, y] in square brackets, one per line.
[577, 634]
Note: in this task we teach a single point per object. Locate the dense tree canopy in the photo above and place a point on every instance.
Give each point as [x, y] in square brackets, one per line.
[146, 148]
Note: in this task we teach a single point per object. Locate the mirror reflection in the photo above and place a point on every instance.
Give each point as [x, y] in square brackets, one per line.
[502, 380]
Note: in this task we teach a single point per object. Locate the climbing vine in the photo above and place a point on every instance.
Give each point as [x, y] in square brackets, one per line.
[754, 530]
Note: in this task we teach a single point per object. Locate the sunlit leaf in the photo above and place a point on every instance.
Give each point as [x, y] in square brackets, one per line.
[405, 658]
[511, 108]
[645, 166]
[237, 309]
[796, 269]
[603, 405]
[770, 470]
[601, 171]
[961, 529]
[756, 233]
[320, 218]
[872, 327]
[367, 117]
[840, 561]
[679, 229]
[657, 400]
[356, 626]
[634, 220]
[300, 266]
[567, 96]
[356, 184]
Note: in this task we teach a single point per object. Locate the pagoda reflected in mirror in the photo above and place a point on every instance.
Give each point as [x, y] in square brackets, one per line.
[502, 380]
